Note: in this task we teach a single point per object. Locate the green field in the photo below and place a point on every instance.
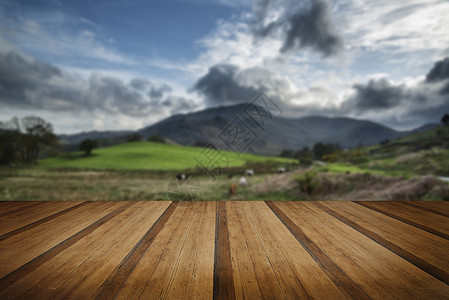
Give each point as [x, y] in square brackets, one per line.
[149, 156]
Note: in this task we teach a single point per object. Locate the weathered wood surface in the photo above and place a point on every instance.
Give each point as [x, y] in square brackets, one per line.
[224, 250]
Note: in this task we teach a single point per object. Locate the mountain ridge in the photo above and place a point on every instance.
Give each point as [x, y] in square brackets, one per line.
[280, 133]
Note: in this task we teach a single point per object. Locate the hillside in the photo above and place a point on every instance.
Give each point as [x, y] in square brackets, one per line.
[146, 156]
[280, 133]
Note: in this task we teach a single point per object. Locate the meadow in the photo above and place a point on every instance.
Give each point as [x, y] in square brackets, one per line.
[403, 169]
[149, 156]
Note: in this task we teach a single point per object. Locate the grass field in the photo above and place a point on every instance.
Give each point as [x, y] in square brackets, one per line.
[148, 156]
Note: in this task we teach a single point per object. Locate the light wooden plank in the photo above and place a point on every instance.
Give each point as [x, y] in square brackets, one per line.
[423, 245]
[187, 269]
[298, 274]
[26, 246]
[151, 273]
[383, 268]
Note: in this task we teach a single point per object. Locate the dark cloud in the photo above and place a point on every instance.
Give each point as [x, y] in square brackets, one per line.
[377, 94]
[157, 92]
[306, 26]
[439, 73]
[221, 86]
[33, 84]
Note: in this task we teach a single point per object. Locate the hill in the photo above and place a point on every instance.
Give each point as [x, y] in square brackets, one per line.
[147, 156]
[280, 133]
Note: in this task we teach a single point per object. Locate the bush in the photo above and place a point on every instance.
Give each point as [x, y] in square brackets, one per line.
[156, 139]
[133, 137]
[307, 182]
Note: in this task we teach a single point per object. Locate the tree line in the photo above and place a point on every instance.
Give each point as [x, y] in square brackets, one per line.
[23, 140]
[306, 155]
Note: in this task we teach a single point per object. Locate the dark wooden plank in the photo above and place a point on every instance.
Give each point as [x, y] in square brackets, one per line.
[427, 208]
[39, 222]
[340, 278]
[223, 278]
[115, 280]
[376, 207]
[47, 255]
[11, 207]
[413, 259]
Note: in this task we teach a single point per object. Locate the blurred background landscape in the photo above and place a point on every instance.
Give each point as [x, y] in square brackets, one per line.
[127, 100]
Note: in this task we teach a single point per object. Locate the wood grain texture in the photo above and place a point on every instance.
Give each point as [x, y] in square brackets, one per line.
[223, 280]
[42, 258]
[433, 269]
[337, 275]
[440, 206]
[224, 250]
[115, 280]
[417, 219]
[71, 206]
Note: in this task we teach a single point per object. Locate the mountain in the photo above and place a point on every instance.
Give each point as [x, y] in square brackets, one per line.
[280, 133]
[95, 135]
[198, 128]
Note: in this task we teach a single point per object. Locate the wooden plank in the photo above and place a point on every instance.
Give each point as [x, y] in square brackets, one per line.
[335, 273]
[223, 285]
[82, 268]
[34, 224]
[425, 219]
[203, 271]
[373, 223]
[264, 275]
[193, 277]
[377, 270]
[163, 271]
[8, 208]
[42, 282]
[297, 273]
[441, 207]
[138, 279]
[391, 210]
[245, 278]
[427, 208]
[116, 279]
[27, 249]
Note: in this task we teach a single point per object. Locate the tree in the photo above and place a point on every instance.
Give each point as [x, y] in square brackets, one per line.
[305, 156]
[445, 120]
[24, 139]
[38, 134]
[320, 149]
[87, 145]
[156, 138]
[287, 153]
[133, 137]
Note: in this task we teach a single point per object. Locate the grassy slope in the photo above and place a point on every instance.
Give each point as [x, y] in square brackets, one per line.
[420, 153]
[146, 156]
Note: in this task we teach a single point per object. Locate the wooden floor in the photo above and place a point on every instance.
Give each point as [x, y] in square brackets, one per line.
[205, 250]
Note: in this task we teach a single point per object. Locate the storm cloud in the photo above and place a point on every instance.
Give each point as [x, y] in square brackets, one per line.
[309, 25]
[377, 94]
[440, 74]
[227, 84]
[33, 84]
[221, 86]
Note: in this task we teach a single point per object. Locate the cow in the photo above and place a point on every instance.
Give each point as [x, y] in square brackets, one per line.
[233, 190]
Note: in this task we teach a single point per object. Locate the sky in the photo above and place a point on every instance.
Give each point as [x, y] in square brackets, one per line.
[126, 64]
